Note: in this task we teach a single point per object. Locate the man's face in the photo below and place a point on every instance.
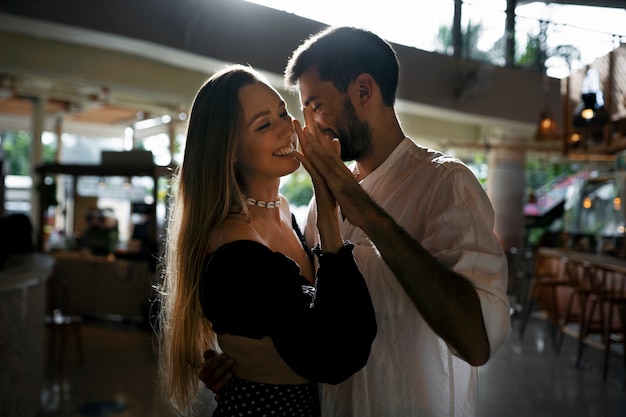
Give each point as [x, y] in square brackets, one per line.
[335, 116]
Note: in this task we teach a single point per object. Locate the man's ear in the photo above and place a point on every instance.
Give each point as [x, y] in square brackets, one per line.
[365, 87]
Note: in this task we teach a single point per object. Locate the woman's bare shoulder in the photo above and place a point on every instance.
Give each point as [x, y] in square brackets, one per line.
[233, 228]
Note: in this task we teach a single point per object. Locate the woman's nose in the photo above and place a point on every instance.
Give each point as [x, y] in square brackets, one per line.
[289, 124]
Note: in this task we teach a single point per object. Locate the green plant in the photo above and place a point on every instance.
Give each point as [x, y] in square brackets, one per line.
[298, 188]
[17, 152]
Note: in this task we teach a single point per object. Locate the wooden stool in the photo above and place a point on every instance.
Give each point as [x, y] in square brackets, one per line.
[61, 325]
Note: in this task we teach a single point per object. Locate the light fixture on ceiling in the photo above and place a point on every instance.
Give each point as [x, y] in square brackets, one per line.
[547, 128]
[590, 109]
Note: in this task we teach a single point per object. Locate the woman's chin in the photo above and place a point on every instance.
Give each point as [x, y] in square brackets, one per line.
[293, 167]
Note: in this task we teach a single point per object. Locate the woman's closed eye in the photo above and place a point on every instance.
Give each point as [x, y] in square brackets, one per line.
[264, 126]
[284, 115]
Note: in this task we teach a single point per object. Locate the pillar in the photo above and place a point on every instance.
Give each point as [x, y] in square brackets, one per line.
[457, 47]
[506, 185]
[2, 175]
[509, 32]
[171, 133]
[36, 159]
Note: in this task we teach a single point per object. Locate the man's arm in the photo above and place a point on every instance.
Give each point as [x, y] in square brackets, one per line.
[448, 301]
[215, 373]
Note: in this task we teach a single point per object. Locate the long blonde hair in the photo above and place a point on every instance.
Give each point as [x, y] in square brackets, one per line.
[205, 189]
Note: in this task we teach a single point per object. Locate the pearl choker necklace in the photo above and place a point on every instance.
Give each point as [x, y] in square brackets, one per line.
[264, 204]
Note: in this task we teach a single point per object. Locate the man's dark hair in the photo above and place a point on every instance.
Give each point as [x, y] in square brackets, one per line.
[340, 54]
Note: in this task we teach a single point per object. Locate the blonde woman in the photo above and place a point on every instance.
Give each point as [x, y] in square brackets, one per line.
[238, 276]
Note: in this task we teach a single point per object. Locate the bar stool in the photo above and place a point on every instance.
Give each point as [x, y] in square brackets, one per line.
[549, 276]
[61, 324]
[606, 316]
[520, 275]
[579, 275]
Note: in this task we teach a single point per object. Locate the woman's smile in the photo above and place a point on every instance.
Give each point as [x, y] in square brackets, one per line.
[284, 151]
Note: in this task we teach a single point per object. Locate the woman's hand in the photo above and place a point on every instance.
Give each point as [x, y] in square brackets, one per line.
[327, 210]
[323, 197]
[322, 156]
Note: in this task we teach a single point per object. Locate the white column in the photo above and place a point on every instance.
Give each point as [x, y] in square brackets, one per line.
[36, 159]
[171, 133]
[506, 185]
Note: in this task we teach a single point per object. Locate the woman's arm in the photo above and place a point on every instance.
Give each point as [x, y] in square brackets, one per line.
[266, 296]
[327, 212]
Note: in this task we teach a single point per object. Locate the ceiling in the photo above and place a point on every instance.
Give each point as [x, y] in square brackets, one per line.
[75, 102]
[615, 4]
[106, 65]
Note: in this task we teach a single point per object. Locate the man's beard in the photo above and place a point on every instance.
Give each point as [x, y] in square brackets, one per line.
[354, 134]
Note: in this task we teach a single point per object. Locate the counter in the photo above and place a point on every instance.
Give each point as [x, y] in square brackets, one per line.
[604, 261]
[105, 286]
[22, 310]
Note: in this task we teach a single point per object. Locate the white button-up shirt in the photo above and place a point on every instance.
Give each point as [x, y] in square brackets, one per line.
[411, 371]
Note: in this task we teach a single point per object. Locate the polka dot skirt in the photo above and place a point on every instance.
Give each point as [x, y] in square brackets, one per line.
[246, 398]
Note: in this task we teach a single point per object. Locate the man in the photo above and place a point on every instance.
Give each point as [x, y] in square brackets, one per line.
[423, 230]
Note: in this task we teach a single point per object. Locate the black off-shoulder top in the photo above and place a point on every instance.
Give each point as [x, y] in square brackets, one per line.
[323, 332]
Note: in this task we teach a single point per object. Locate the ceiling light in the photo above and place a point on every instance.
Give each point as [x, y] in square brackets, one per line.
[547, 128]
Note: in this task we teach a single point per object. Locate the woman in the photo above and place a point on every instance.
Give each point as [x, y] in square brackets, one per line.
[238, 276]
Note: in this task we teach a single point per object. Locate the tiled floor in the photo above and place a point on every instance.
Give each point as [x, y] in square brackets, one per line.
[526, 378]
[117, 378]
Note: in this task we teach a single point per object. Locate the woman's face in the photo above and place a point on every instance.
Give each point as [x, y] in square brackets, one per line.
[268, 137]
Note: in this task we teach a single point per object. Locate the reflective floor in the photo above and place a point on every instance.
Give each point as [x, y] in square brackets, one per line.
[117, 378]
[525, 378]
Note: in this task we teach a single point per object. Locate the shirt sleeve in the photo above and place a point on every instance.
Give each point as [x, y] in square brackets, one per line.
[460, 234]
[324, 333]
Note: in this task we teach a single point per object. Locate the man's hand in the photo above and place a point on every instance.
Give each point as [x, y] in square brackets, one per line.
[321, 157]
[327, 214]
[215, 373]
[323, 197]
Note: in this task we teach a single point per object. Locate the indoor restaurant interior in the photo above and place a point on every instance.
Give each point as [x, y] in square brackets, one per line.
[94, 99]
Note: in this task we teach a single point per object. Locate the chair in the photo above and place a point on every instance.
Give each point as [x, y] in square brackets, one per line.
[579, 275]
[549, 276]
[520, 274]
[606, 316]
[61, 324]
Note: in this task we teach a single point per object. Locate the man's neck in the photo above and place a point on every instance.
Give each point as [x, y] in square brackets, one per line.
[380, 152]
